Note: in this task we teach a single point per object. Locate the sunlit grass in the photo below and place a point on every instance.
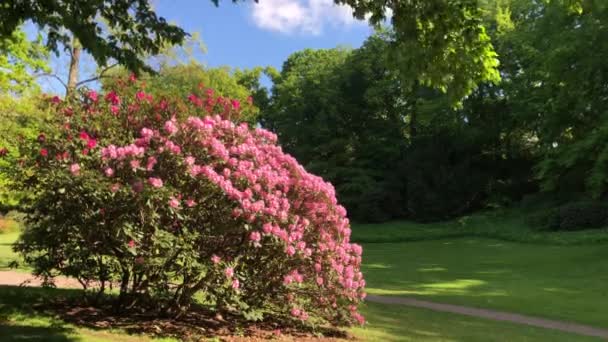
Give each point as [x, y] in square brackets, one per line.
[399, 323]
[6, 251]
[560, 282]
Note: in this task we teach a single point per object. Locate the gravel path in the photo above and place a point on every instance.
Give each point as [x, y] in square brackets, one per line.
[575, 328]
[25, 279]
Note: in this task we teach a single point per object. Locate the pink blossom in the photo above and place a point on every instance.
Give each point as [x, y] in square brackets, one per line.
[75, 169]
[267, 228]
[255, 236]
[236, 104]
[174, 202]
[295, 312]
[140, 95]
[109, 172]
[155, 182]
[170, 127]
[134, 164]
[113, 98]
[114, 109]
[114, 187]
[189, 160]
[150, 164]
[215, 259]
[235, 284]
[92, 95]
[91, 143]
[229, 272]
[190, 203]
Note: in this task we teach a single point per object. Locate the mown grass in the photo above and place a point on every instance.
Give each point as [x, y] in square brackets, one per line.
[552, 281]
[19, 321]
[491, 260]
[552, 275]
[399, 323]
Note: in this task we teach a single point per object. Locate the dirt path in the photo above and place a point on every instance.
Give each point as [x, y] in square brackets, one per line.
[575, 328]
[18, 278]
[13, 278]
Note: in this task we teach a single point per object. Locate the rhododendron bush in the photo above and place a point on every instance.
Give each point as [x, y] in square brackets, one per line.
[163, 204]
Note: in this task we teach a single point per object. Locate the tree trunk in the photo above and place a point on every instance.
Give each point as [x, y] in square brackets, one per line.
[74, 68]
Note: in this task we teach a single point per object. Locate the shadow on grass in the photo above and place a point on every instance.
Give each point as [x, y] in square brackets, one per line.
[64, 308]
[20, 333]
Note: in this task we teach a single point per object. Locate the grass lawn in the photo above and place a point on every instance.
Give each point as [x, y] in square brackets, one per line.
[19, 322]
[399, 323]
[6, 252]
[506, 225]
[560, 276]
[560, 282]
[491, 260]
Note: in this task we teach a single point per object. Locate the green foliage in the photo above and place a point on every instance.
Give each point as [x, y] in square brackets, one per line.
[572, 216]
[507, 225]
[437, 43]
[392, 151]
[20, 119]
[166, 200]
[178, 81]
[338, 112]
[94, 24]
[554, 78]
[19, 58]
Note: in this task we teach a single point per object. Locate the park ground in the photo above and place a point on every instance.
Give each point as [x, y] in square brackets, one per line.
[489, 260]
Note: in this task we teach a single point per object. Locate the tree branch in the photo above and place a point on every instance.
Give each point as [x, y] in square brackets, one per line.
[55, 77]
[101, 75]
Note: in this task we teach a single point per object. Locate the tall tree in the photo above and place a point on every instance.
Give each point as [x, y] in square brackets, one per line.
[20, 59]
[441, 43]
[438, 43]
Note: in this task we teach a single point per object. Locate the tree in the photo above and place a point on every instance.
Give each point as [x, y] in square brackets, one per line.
[441, 42]
[91, 23]
[340, 112]
[555, 80]
[20, 119]
[437, 43]
[19, 60]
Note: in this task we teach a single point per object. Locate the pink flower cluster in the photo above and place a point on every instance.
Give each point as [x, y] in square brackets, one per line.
[284, 207]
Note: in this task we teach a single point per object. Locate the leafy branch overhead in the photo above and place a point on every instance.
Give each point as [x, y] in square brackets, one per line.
[439, 43]
[139, 30]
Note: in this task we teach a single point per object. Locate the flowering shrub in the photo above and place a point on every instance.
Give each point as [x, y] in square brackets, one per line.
[166, 204]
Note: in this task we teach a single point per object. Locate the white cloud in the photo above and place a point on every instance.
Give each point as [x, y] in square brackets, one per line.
[301, 16]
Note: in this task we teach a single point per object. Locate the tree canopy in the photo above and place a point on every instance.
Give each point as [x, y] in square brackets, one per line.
[439, 43]
[19, 60]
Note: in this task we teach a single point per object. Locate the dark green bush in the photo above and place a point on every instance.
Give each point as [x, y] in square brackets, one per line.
[570, 216]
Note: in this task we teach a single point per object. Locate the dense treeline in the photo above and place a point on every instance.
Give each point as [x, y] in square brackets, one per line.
[393, 149]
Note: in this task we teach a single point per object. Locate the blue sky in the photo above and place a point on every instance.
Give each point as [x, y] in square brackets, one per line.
[247, 34]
